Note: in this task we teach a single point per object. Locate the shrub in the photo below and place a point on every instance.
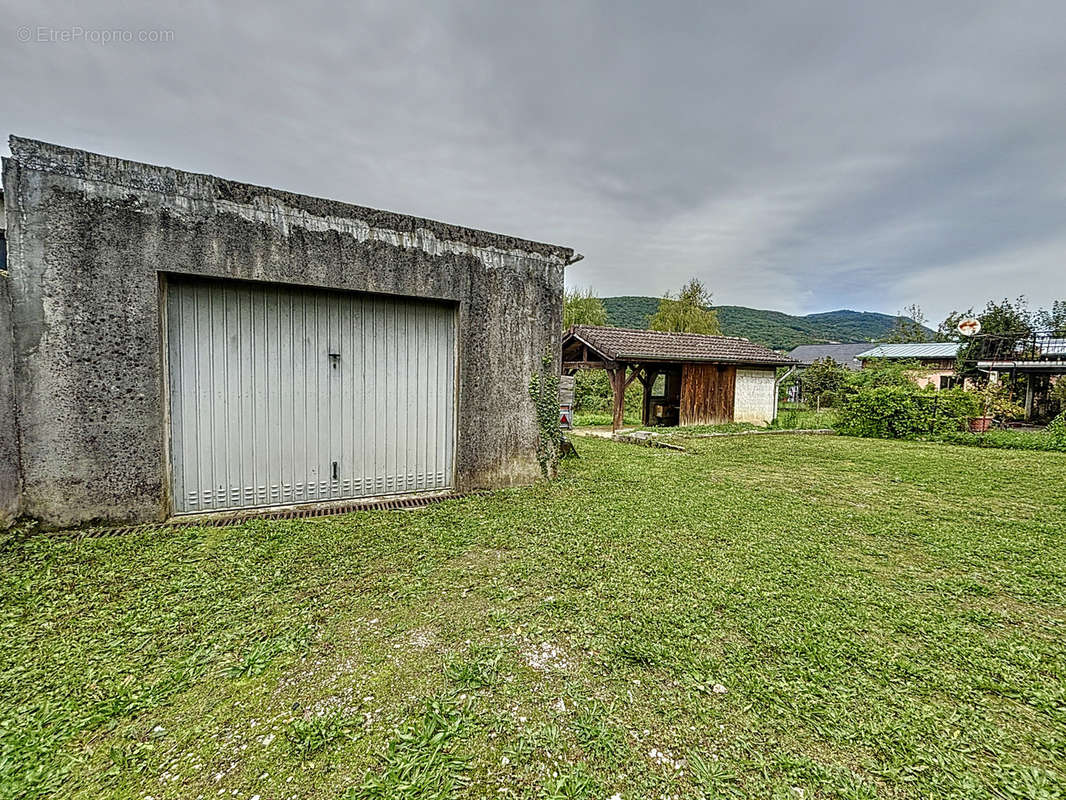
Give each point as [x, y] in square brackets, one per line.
[832, 399]
[884, 372]
[592, 395]
[997, 398]
[823, 379]
[1057, 431]
[900, 412]
[1058, 394]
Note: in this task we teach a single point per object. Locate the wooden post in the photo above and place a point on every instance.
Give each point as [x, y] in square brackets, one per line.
[647, 381]
[618, 386]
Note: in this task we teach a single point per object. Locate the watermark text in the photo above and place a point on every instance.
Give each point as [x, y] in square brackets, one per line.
[76, 34]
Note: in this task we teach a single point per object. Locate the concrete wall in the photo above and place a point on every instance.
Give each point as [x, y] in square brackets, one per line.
[9, 454]
[97, 236]
[754, 398]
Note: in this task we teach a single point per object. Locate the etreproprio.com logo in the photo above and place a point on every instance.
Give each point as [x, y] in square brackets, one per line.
[77, 34]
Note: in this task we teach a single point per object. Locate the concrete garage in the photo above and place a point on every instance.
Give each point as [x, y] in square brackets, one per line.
[179, 343]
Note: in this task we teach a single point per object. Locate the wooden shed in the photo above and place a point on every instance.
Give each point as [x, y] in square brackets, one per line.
[688, 378]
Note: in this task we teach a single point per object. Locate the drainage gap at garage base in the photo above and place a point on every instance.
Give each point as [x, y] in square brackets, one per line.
[333, 510]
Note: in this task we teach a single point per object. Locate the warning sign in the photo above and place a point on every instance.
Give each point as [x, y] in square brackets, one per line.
[565, 416]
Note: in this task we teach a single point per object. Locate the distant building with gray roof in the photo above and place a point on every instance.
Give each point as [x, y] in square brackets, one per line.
[843, 354]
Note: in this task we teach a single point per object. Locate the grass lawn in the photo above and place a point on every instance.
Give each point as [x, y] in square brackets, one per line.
[776, 617]
[787, 418]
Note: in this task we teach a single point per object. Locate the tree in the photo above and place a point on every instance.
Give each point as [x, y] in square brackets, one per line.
[1005, 327]
[948, 330]
[689, 312]
[910, 326]
[1006, 318]
[1053, 319]
[822, 377]
[583, 308]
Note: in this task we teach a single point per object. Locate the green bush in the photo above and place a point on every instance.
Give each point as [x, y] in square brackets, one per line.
[832, 399]
[593, 396]
[884, 372]
[1057, 431]
[803, 419]
[901, 412]
[1058, 394]
[822, 380]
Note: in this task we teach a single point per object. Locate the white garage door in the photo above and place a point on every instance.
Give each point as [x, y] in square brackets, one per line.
[284, 395]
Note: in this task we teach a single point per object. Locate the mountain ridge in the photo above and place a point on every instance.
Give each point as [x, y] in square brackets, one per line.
[775, 329]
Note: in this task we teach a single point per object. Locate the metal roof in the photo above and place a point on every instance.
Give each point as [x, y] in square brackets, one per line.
[1054, 347]
[915, 350]
[1039, 353]
[842, 354]
[628, 344]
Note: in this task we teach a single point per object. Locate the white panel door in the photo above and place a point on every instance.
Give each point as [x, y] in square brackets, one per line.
[755, 395]
[282, 395]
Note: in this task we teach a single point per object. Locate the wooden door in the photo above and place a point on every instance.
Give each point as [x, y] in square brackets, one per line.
[707, 393]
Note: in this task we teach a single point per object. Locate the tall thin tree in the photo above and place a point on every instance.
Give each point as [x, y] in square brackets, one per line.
[689, 312]
[583, 308]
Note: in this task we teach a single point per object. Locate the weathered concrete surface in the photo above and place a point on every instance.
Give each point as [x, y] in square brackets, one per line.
[97, 237]
[9, 455]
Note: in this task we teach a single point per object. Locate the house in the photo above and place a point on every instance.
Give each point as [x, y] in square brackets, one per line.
[843, 354]
[688, 378]
[935, 360]
[176, 343]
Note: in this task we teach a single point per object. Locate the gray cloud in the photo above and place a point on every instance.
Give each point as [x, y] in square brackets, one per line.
[801, 157]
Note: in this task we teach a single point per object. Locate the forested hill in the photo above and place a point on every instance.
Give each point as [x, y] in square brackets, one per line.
[771, 328]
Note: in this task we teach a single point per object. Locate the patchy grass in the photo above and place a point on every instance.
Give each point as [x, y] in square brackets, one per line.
[725, 427]
[804, 419]
[762, 616]
[593, 419]
[1006, 439]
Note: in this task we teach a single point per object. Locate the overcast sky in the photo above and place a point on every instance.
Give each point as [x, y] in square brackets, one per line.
[799, 156]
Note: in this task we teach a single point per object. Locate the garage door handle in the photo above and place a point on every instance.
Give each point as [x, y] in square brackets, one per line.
[334, 470]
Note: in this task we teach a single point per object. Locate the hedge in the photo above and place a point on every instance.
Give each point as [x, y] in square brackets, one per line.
[902, 412]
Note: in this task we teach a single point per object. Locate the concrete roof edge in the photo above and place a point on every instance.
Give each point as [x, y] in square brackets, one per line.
[75, 163]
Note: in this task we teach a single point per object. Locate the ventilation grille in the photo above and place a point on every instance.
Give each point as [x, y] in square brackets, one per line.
[332, 510]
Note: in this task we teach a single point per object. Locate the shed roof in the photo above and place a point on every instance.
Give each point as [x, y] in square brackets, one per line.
[842, 354]
[916, 350]
[629, 344]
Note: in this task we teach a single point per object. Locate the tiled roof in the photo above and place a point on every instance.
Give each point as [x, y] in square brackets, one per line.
[627, 344]
[916, 350]
[842, 354]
